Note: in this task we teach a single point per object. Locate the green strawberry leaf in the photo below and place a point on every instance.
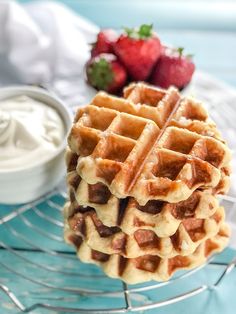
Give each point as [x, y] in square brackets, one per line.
[130, 32]
[100, 74]
[180, 50]
[145, 31]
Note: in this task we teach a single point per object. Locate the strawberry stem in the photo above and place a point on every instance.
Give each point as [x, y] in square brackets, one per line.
[180, 51]
[130, 32]
[143, 32]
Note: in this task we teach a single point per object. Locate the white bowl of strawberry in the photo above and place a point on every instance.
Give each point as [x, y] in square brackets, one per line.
[136, 55]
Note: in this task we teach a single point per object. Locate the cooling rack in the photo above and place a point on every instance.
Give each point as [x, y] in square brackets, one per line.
[41, 263]
[39, 271]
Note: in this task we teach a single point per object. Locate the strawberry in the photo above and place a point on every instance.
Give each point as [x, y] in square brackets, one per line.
[173, 68]
[139, 50]
[105, 72]
[105, 39]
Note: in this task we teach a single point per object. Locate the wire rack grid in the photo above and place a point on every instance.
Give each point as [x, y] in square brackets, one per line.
[47, 211]
[38, 270]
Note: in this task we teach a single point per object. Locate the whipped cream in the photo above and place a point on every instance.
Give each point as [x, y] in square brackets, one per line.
[30, 132]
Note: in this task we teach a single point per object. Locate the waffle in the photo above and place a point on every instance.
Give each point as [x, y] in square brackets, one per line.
[147, 267]
[144, 146]
[190, 115]
[143, 173]
[111, 240]
[160, 217]
[146, 102]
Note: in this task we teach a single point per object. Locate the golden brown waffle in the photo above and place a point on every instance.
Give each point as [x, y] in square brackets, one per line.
[151, 103]
[147, 267]
[147, 158]
[158, 216]
[143, 172]
[190, 114]
[111, 240]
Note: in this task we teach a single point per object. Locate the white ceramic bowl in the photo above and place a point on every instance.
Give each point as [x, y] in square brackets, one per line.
[21, 186]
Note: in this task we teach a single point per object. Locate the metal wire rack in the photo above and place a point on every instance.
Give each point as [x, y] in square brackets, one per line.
[35, 258]
[61, 265]
[47, 211]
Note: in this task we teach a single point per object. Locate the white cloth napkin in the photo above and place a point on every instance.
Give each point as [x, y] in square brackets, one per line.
[42, 41]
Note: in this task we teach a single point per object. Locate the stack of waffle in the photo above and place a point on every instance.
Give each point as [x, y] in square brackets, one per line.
[143, 175]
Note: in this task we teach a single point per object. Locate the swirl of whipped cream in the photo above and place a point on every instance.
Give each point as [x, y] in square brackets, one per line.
[5, 126]
[30, 131]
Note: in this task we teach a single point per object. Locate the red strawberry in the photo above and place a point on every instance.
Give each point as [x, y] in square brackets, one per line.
[104, 42]
[105, 72]
[173, 68]
[138, 50]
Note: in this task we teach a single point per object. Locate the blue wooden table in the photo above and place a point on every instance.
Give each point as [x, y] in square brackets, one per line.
[208, 30]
